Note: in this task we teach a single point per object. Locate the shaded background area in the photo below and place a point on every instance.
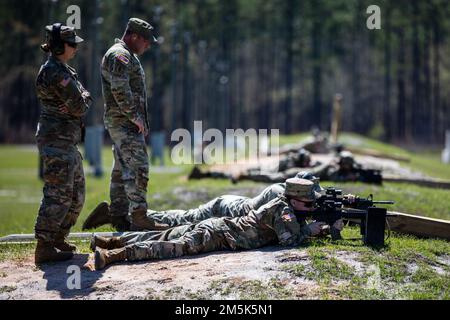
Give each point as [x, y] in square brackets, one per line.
[251, 64]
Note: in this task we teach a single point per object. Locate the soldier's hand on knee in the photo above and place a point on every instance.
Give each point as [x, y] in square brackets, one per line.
[140, 124]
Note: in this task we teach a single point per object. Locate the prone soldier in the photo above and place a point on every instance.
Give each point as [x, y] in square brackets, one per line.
[271, 223]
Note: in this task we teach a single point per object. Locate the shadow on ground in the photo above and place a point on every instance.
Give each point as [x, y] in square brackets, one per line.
[62, 277]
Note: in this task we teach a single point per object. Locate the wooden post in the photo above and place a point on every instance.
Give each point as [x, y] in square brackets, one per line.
[446, 151]
[336, 121]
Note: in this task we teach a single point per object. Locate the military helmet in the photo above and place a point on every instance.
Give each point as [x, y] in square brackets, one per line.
[303, 158]
[309, 176]
[346, 157]
[301, 189]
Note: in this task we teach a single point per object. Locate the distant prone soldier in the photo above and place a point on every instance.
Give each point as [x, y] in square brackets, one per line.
[342, 168]
[298, 159]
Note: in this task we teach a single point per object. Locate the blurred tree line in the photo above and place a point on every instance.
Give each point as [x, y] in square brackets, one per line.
[251, 63]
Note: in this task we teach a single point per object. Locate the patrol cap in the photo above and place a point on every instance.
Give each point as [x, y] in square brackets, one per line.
[67, 34]
[142, 28]
[301, 189]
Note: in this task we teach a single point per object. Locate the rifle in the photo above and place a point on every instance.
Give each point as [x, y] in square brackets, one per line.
[370, 176]
[333, 206]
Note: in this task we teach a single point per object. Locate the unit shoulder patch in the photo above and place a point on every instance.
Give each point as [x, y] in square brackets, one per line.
[123, 58]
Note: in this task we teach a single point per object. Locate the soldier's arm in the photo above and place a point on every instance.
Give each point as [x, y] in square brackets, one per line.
[119, 72]
[75, 101]
[287, 228]
[276, 216]
[320, 171]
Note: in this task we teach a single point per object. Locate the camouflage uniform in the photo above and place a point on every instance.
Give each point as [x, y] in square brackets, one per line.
[297, 160]
[224, 206]
[270, 224]
[123, 83]
[345, 168]
[57, 137]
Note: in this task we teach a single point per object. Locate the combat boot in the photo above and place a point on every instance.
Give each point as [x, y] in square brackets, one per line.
[121, 223]
[98, 217]
[235, 178]
[140, 220]
[105, 257]
[63, 245]
[106, 243]
[196, 173]
[46, 252]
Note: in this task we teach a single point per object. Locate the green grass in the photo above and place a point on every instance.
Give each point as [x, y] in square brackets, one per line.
[407, 268]
[21, 190]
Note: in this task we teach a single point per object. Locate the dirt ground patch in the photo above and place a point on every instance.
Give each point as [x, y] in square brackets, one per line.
[221, 275]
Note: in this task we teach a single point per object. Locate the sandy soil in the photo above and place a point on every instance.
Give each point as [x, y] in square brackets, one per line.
[199, 277]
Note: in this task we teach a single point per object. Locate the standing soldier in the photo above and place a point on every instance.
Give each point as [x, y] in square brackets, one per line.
[64, 102]
[126, 119]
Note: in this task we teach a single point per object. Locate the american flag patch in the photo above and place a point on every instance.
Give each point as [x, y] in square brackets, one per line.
[122, 59]
[65, 82]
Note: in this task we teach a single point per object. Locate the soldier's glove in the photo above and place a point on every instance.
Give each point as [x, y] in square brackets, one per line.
[350, 198]
[316, 228]
[339, 225]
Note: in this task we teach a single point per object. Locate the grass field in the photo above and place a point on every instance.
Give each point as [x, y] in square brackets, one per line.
[21, 191]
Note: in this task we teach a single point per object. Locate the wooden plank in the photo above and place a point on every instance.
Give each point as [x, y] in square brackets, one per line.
[376, 154]
[419, 226]
[428, 182]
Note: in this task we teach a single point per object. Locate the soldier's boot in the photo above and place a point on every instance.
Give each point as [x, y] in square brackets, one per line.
[121, 223]
[63, 245]
[98, 217]
[105, 257]
[196, 173]
[140, 220]
[235, 178]
[106, 243]
[46, 252]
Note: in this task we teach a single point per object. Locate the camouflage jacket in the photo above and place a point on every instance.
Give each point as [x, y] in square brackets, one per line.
[234, 206]
[270, 224]
[123, 85]
[56, 85]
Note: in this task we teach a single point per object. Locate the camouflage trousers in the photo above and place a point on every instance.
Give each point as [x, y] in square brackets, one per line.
[225, 233]
[129, 176]
[212, 209]
[175, 242]
[64, 191]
